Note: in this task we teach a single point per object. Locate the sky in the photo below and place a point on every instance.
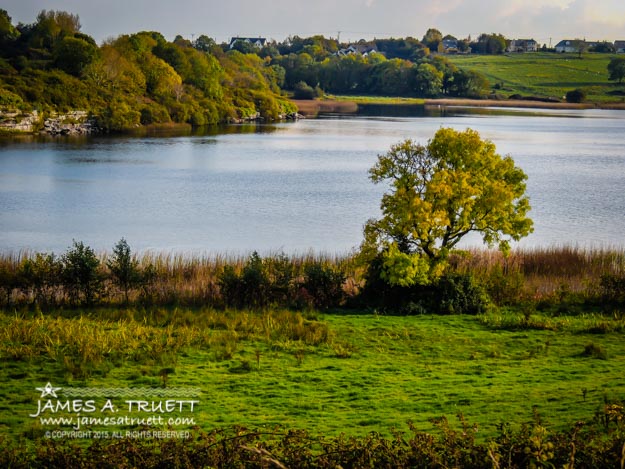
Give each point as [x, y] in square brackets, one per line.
[350, 20]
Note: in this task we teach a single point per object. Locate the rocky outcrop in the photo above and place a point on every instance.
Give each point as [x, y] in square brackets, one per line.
[79, 122]
[72, 123]
[258, 118]
[15, 121]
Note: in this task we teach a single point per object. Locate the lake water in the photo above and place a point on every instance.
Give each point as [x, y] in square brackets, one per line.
[294, 186]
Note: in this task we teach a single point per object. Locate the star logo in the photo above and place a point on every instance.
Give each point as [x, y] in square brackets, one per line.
[48, 390]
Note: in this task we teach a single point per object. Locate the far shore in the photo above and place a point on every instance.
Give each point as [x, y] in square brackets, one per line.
[350, 105]
[520, 103]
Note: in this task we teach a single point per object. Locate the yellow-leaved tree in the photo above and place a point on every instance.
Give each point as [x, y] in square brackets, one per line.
[439, 193]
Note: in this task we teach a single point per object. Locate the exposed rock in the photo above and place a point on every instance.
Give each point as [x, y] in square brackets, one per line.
[14, 121]
[72, 123]
[258, 118]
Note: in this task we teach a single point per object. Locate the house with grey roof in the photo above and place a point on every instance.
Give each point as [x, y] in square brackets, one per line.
[361, 49]
[258, 42]
[569, 45]
[522, 45]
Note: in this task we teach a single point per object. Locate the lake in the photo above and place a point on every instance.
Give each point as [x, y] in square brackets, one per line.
[294, 186]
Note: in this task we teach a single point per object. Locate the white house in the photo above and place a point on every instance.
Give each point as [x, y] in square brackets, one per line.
[258, 42]
[523, 45]
[568, 45]
[361, 49]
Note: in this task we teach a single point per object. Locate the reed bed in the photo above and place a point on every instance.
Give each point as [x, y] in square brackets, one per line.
[540, 274]
[311, 108]
[526, 275]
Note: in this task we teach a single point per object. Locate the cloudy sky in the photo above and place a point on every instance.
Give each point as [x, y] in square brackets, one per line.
[544, 21]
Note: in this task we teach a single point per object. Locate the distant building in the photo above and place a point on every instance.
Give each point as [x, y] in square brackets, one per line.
[523, 45]
[259, 42]
[361, 49]
[568, 45]
[450, 46]
[619, 47]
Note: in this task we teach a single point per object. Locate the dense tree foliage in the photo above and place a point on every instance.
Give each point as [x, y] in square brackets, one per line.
[144, 79]
[133, 79]
[376, 74]
[433, 39]
[490, 44]
[455, 185]
[616, 69]
[603, 47]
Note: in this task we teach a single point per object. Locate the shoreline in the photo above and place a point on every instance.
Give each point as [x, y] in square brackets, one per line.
[349, 106]
[306, 108]
[520, 103]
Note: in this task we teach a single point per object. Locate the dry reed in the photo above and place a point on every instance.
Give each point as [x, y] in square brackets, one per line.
[193, 280]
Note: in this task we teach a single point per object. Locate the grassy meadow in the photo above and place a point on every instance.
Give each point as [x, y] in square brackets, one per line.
[547, 354]
[327, 373]
[539, 75]
[546, 74]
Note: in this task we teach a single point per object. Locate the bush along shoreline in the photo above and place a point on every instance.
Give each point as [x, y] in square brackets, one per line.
[555, 281]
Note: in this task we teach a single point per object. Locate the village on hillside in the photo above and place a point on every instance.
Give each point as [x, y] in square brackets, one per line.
[451, 45]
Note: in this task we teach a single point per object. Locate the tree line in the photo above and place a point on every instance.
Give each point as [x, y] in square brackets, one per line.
[134, 79]
[140, 79]
[80, 277]
[375, 74]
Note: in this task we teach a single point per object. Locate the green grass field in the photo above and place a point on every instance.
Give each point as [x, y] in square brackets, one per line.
[328, 374]
[546, 74]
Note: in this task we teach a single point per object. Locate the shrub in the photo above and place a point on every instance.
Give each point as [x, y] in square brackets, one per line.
[281, 272]
[248, 289]
[80, 273]
[41, 274]
[452, 293]
[119, 115]
[7, 98]
[613, 289]
[230, 286]
[10, 279]
[324, 285]
[124, 268]
[255, 282]
[456, 293]
[505, 288]
[303, 90]
[596, 444]
[576, 96]
[154, 113]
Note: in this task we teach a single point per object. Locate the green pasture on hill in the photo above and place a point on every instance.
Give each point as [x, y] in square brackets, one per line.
[546, 74]
[329, 374]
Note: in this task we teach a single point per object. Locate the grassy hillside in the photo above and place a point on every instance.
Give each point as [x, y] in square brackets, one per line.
[546, 74]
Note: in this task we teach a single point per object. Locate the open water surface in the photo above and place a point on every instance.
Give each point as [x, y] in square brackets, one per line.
[294, 186]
